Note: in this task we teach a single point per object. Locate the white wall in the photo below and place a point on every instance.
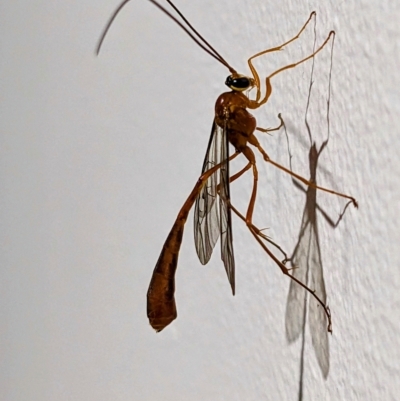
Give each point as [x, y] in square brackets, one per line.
[98, 155]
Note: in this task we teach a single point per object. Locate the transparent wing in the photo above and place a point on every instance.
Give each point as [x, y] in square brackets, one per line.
[225, 214]
[206, 213]
[212, 218]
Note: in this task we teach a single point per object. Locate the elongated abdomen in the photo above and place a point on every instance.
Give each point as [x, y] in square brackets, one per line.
[161, 308]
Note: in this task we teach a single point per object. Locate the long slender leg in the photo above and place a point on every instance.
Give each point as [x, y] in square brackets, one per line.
[268, 130]
[237, 175]
[254, 104]
[331, 33]
[302, 179]
[285, 271]
[240, 173]
[273, 49]
[256, 230]
[248, 153]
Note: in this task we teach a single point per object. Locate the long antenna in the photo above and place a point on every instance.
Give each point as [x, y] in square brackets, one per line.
[210, 50]
[195, 31]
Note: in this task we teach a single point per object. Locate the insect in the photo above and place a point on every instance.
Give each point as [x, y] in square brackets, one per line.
[233, 124]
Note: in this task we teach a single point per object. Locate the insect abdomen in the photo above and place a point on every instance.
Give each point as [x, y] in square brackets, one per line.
[161, 308]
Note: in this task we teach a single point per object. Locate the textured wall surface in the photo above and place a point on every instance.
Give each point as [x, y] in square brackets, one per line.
[98, 155]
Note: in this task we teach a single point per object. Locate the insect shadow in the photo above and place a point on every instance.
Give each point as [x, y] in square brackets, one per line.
[306, 260]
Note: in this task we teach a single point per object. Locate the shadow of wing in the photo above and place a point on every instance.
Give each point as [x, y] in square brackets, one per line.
[296, 301]
[317, 317]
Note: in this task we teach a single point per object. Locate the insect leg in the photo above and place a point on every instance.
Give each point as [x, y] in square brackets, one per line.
[302, 179]
[267, 130]
[248, 153]
[255, 229]
[237, 175]
[285, 271]
[258, 232]
[255, 104]
[273, 49]
[240, 173]
[331, 33]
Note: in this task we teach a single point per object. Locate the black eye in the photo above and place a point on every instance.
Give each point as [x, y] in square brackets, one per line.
[241, 83]
[238, 83]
